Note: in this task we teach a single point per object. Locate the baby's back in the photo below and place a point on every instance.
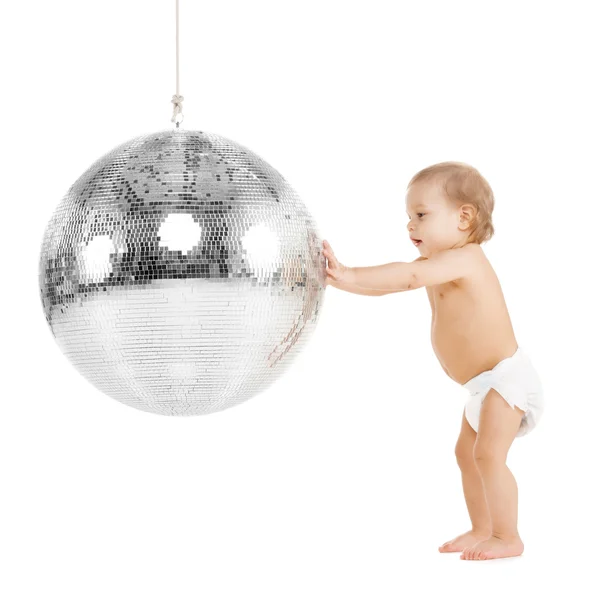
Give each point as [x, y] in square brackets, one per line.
[471, 330]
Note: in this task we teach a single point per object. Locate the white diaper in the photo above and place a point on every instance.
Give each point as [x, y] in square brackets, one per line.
[517, 381]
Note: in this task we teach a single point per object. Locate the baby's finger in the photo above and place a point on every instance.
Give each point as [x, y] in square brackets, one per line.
[329, 254]
[330, 257]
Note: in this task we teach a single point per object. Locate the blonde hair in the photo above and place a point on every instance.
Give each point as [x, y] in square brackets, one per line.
[462, 184]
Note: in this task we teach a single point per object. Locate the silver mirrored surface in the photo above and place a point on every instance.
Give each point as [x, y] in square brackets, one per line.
[181, 274]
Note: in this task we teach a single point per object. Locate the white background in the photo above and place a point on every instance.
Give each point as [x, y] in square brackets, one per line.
[340, 481]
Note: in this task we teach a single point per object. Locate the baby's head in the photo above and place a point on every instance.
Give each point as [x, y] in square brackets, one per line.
[449, 205]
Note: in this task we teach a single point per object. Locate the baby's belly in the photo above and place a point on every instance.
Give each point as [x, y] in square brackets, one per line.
[463, 355]
[454, 358]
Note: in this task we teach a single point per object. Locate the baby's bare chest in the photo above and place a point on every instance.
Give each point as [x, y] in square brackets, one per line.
[468, 326]
[452, 304]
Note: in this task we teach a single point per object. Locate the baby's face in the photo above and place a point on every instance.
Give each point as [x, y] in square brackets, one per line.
[433, 219]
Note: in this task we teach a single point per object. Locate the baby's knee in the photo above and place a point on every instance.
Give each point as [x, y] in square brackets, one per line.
[463, 451]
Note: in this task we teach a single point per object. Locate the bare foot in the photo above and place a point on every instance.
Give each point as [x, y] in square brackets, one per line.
[494, 547]
[464, 541]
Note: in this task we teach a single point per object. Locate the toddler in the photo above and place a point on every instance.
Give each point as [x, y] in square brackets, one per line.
[449, 207]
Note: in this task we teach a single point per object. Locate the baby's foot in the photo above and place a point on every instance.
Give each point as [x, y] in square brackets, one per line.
[461, 542]
[494, 547]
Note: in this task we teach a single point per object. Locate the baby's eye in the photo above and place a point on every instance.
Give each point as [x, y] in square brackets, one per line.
[420, 214]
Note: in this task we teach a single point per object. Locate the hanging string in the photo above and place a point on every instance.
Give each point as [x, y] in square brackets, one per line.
[177, 100]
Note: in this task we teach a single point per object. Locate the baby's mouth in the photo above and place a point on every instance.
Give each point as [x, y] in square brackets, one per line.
[417, 242]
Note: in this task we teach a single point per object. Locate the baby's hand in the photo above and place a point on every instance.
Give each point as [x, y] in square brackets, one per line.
[336, 271]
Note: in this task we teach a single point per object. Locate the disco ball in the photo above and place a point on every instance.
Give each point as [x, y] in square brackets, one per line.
[181, 274]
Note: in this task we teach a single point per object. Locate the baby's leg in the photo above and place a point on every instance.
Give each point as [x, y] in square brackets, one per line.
[474, 493]
[498, 426]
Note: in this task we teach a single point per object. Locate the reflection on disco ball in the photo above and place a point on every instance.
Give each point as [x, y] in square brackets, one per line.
[181, 274]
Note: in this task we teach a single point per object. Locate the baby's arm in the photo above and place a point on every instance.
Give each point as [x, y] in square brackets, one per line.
[355, 289]
[444, 266]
